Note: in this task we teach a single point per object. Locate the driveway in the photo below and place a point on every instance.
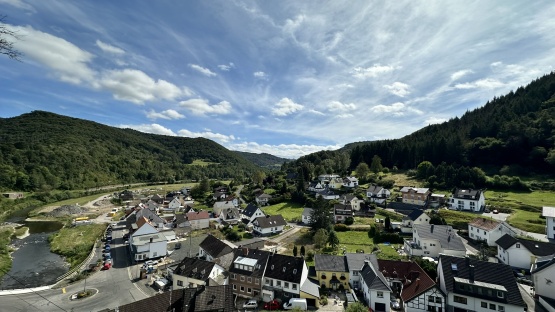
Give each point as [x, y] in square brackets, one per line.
[496, 216]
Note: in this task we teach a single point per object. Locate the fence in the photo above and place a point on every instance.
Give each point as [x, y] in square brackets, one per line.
[76, 269]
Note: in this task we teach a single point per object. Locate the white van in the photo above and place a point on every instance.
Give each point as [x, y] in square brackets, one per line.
[296, 303]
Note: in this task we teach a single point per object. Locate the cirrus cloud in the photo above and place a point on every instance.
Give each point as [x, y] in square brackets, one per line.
[373, 71]
[205, 71]
[109, 48]
[285, 107]
[487, 83]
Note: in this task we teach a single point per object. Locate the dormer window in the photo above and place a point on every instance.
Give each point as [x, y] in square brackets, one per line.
[272, 267]
[500, 294]
[284, 268]
[517, 245]
[294, 271]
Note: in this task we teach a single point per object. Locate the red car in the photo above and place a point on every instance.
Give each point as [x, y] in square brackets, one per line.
[272, 305]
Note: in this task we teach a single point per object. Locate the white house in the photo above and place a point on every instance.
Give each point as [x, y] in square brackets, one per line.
[418, 291]
[351, 199]
[377, 194]
[549, 214]
[263, 199]
[194, 272]
[212, 248]
[335, 183]
[350, 182]
[251, 212]
[175, 204]
[307, 214]
[431, 240]
[543, 275]
[417, 216]
[467, 200]
[327, 177]
[198, 219]
[375, 288]
[222, 205]
[327, 194]
[315, 186]
[284, 275]
[522, 253]
[355, 262]
[470, 285]
[268, 225]
[486, 230]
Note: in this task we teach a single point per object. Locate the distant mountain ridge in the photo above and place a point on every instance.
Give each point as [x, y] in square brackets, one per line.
[43, 150]
[264, 160]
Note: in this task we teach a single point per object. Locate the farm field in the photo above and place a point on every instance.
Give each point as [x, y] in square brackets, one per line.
[290, 211]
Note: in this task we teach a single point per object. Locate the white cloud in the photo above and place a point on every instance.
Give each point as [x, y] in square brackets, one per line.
[281, 150]
[372, 71]
[222, 138]
[226, 67]
[315, 112]
[202, 107]
[169, 114]
[69, 63]
[461, 73]
[109, 48]
[434, 120]
[486, 83]
[398, 88]
[336, 106]
[344, 116]
[202, 70]
[18, 4]
[150, 128]
[396, 109]
[137, 87]
[260, 75]
[286, 107]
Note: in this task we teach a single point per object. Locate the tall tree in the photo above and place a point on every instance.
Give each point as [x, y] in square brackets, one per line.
[320, 238]
[258, 177]
[321, 217]
[333, 240]
[295, 251]
[376, 164]
[7, 38]
[362, 170]
[387, 223]
[302, 251]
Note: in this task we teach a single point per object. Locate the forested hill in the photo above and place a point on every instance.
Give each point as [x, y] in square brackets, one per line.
[512, 134]
[264, 160]
[44, 150]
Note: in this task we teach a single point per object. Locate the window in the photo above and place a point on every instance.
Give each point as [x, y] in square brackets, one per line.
[499, 294]
[461, 300]
[501, 308]
[233, 276]
[249, 290]
[179, 283]
[294, 286]
[256, 281]
[243, 288]
[432, 309]
[380, 294]
[286, 285]
[267, 281]
[249, 279]
[278, 283]
[492, 306]
[355, 273]
[439, 299]
[234, 287]
[517, 245]
[242, 278]
[431, 298]
[484, 304]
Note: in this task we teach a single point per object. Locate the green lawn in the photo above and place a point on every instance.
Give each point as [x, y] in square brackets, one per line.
[536, 198]
[457, 219]
[76, 243]
[527, 220]
[355, 240]
[290, 211]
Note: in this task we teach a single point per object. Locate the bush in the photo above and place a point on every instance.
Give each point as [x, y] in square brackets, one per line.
[233, 236]
[349, 221]
[323, 298]
[310, 255]
[340, 228]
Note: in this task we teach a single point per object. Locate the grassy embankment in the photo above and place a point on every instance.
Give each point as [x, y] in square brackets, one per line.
[76, 243]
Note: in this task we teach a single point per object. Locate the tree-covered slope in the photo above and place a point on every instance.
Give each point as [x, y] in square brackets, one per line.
[45, 150]
[264, 160]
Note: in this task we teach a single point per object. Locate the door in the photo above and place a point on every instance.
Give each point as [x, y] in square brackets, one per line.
[379, 307]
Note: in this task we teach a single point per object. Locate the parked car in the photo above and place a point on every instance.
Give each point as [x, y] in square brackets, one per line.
[177, 246]
[272, 305]
[107, 248]
[495, 211]
[107, 256]
[395, 305]
[106, 266]
[251, 304]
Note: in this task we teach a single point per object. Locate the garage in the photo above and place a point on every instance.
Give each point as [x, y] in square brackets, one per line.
[379, 307]
[311, 302]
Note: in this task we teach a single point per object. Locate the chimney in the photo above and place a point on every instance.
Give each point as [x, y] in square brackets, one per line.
[417, 282]
[151, 239]
[471, 274]
[432, 229]
[245, 251]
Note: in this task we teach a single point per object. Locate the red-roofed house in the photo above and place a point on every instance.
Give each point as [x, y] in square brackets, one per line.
[487, 230]
[198, 219]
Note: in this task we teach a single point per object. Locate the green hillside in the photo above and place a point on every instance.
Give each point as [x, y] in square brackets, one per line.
[264, 160]
[42, 150]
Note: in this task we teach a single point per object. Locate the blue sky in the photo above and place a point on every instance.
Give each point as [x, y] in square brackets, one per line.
[282, 77]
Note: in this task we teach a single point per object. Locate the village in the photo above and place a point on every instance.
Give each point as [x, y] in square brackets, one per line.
[260, 272]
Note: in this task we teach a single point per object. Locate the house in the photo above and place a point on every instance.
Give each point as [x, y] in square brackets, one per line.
[198, 219]
[212, 248]
[332, 271]
[418, 291]
[549, 214]
[219, 196]
[200, 299]
[181, 224]
[185, 190]
[221, 205]
[126, 195]
[430, 240]
[415, 195]
[139, 213]
[522, 253]
[246, 273]
[351, 199]
[327, 177]
[148, 246]
[417, 216]
[436, 200]
[231, 215]
[221, 189]
[350, 182]
[175, 204]
[341, 212]
[543, 275]
[327, 193]
[263, 199]
[473, 285]
[283, 277]
[251, 212]
[376, 291]
[152, 206]
[467, 200]
[315, 186]
[157, 198]
[307, 215]
[377, 194]
[355, 262]
[268, 225]
[335, 183]
[194, 272]
[486, 230]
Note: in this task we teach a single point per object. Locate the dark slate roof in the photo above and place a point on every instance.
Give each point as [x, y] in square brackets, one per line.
[326, 192]
[408, 273]
[214, 247]
[264, 195]
[285, 268]
[211, 298]
[539, 249]
[330, 263]
[194, 268]
[374, 189]
[543, 263]
[355, 261]
[415, 214]
[270, 221]
[313, 183]
[467, 194]
[347, 197]
[151, 216]
[485, 272]
[445, 234]
[373, 278]
[307, 211]
[261, 257]
[250, 210]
